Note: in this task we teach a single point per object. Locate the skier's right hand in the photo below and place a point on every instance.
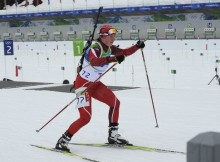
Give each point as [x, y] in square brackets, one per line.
[72, 87]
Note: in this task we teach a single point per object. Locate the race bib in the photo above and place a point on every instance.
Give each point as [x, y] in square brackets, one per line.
[82, 99]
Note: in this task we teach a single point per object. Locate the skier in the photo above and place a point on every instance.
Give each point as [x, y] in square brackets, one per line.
[95, 62]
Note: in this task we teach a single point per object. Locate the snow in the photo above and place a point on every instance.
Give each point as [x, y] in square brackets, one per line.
[185, 104]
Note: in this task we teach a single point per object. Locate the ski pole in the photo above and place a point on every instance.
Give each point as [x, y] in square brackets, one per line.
[38, 130]
[149, 88]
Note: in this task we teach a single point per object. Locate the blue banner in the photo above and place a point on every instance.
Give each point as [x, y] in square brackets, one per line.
[8, 47]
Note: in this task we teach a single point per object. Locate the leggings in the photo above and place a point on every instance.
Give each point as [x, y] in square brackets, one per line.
[100, 92]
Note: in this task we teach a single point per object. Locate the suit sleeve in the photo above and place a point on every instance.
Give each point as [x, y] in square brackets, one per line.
[99, 61]
[127, 52]
[95, 60]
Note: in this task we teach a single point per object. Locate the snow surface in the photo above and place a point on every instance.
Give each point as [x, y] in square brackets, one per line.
[185, 106]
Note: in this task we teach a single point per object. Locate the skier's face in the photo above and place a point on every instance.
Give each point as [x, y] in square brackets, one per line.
[108, 40]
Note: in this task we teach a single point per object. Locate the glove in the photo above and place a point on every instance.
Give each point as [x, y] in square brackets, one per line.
[120, 58]
[140, 44]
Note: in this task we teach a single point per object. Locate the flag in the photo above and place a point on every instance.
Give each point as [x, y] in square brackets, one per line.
[173, 71]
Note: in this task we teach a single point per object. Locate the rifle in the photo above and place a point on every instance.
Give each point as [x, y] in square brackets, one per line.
[89, 41]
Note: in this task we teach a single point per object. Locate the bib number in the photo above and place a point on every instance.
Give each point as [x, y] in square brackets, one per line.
[86, 74]
[82, 101]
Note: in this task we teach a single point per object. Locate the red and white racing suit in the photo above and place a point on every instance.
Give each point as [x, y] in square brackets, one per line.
[96, 61]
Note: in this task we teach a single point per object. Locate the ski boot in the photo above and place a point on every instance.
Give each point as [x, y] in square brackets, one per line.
[115, 138]
[62, 143]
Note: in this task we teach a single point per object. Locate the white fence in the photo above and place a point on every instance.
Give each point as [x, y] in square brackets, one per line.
[65, 5]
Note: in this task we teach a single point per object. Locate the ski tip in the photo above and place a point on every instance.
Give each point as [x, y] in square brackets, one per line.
[37, 131]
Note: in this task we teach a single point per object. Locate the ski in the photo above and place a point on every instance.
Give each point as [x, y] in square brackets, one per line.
[130, 147]
[64, 152]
